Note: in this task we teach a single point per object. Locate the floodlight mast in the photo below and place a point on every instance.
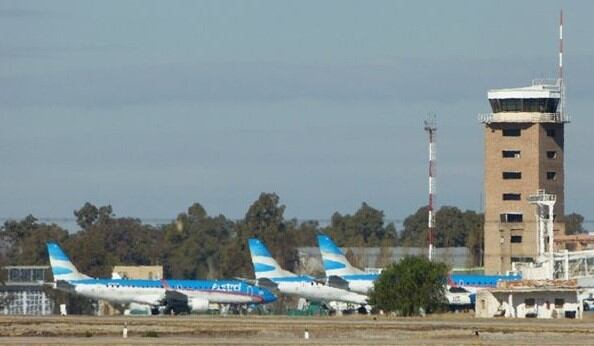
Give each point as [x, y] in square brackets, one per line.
[431, 129]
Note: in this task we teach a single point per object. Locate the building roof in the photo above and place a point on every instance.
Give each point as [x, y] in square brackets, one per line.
[546, 285]
[530, 92]
[585, 237]
[532, 289]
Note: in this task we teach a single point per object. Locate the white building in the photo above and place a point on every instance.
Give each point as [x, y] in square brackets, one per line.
[525, 302]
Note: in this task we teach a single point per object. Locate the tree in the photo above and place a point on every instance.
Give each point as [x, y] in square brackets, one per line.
[106, 241]
[412, 284]
[475, 237]
[574, 224]
[453, 227]
[86, 215]
[364, 228]
[415, 229]
[193, 244]
[264, 220]
[28, 238]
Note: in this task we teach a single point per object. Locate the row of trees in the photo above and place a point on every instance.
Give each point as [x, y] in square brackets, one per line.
[199, 245]
[194, 245]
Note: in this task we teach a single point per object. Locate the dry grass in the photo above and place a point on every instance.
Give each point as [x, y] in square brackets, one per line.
[459, 329]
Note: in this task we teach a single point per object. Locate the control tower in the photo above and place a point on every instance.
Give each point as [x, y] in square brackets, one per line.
[524, 140]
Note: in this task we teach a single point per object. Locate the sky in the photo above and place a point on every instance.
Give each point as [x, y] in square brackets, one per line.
[151, 106]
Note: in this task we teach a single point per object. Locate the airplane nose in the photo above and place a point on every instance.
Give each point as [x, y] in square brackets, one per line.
[269, 297]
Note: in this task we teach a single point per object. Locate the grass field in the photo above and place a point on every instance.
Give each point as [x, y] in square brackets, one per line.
[447, 329]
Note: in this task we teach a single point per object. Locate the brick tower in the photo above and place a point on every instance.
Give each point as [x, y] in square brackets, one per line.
[524, 140]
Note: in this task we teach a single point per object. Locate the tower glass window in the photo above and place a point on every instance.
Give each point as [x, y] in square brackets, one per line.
[551, 132]
[511, 217]
[527, 105]
[510, 154]
[511, 132]
[512, 175]
[551, 175]
[512, 197]
[516, 239]
[551, 154]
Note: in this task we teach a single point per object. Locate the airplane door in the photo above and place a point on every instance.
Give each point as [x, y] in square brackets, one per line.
[250, 291]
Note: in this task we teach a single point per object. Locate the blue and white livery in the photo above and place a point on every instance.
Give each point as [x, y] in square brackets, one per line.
[161, 295]
[267, 269]
[462, 288]
[475, 282]
[336, 266]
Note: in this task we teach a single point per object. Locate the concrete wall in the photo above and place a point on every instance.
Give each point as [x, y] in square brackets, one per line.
[310, 260]
[140, 272]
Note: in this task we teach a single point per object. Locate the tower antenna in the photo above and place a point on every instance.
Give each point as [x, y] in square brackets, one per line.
[561, 76]
[431, 129]
[561, 46]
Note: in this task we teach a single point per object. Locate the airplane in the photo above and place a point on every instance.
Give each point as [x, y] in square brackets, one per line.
[475, 282]
[161, 295]
[339, 271]
[270, 274]
[460, 290]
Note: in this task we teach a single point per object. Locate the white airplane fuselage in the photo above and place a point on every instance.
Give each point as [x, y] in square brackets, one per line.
[360, 286]
[120, 294]
[314, 291]
[153, 292]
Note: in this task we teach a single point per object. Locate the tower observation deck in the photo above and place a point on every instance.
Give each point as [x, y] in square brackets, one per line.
[538, 103]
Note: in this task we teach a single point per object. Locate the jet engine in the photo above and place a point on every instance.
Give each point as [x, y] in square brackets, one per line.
[197, 304]
[180, 303]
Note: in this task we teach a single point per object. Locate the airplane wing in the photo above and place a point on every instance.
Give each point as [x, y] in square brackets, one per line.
[249, 281]
[337, 282]
[64, 286]
[267, 283]
[174, 297]
[152, 300]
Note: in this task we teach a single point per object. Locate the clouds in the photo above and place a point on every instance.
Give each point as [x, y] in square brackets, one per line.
[215, 103]
[405, 80]
[8, 13]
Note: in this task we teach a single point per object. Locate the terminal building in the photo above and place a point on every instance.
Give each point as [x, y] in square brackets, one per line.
[24, 293]
[524, 153]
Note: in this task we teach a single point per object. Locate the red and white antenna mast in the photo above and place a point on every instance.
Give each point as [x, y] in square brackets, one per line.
[561, 46]
[431, 128]
[561, 77]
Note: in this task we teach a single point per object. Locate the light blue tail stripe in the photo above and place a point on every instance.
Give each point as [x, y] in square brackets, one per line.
[260, 267]
[331, 265]
[60, 271]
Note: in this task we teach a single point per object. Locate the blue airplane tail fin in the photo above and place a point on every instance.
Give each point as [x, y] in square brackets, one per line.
[334, 260]
[265, 266]
[62, 267]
